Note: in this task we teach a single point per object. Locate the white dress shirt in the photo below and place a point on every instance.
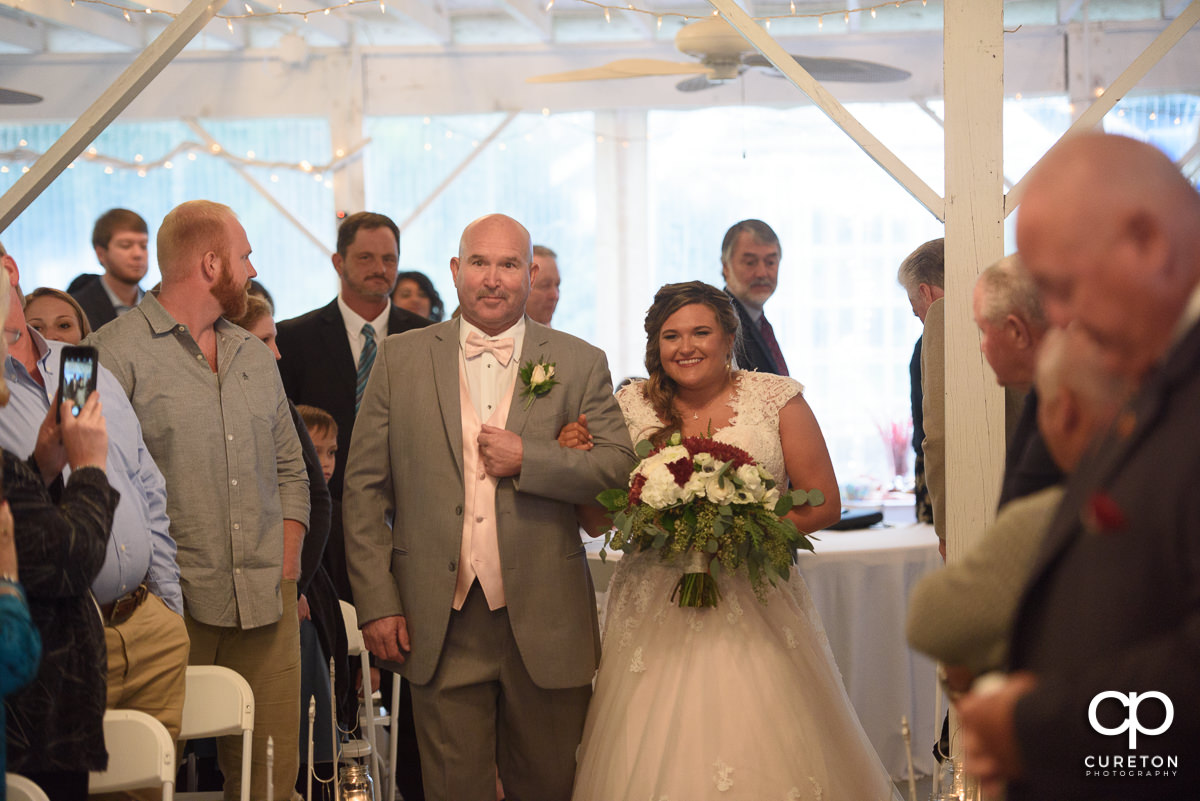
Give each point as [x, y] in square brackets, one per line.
[354, 323]
[486, 377]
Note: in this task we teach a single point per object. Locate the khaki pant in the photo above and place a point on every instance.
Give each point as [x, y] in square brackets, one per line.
[147, 670]
[268, 658]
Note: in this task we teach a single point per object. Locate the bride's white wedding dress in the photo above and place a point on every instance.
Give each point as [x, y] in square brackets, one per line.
[743, 701]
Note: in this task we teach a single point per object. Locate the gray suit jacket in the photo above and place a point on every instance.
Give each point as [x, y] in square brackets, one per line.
[407, 466]
[1113, 601]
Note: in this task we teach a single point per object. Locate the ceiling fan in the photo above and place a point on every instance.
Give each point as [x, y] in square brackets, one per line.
[723, 55]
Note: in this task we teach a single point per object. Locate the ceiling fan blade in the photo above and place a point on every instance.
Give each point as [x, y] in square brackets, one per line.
[10, 97]
[622, 68]
[697, 84]
[850, 70]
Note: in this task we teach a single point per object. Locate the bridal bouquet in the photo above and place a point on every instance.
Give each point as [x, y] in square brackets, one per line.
[712, 505]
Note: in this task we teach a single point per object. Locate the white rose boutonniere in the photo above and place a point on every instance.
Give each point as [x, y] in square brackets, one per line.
[538, 380]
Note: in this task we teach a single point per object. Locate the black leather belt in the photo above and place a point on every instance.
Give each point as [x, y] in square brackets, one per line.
[122, 609]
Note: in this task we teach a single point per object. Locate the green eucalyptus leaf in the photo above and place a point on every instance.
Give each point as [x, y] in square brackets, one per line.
[815, 497]
[613, 499]
[711, 546]
[643, 448]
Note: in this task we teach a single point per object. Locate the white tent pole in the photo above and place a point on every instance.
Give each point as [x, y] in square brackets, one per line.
[112, 102]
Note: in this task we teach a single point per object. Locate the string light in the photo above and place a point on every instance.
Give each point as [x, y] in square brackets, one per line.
[628, 6]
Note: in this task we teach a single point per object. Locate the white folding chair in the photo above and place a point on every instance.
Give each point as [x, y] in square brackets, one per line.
[140, 754]
[383, 769]
[22, 789]
[219, 702]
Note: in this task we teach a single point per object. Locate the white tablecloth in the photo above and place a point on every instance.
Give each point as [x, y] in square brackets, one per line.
[860, 582]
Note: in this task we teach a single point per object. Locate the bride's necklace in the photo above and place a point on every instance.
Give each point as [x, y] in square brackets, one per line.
[717, 401]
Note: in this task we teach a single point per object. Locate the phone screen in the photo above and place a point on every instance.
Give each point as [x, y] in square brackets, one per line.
[78, 376]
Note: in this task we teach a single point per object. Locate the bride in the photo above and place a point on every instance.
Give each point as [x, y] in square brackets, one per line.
[742, 701]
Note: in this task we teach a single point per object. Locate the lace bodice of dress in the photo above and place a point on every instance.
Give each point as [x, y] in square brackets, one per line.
[754, 427]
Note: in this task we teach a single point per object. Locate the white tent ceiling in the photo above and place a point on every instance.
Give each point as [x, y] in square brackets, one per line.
[461, 56]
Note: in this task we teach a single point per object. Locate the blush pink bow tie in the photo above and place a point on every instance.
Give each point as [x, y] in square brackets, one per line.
[502, 348]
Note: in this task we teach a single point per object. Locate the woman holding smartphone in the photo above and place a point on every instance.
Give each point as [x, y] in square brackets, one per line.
[54, 726]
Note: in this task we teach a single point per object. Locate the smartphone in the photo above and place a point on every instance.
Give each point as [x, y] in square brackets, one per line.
[76, 377]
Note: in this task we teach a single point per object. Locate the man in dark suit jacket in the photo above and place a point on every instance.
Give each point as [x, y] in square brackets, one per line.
[325, 358]
[1103, 702]
[750, 255]
[121, 241]
[320, 350]
[1008, 311]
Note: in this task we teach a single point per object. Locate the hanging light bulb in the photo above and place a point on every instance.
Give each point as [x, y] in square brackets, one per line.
[607, 16]
[127, 17]
[820, 23]
[658, 25]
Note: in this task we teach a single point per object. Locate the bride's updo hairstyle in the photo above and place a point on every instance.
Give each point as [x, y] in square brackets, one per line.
[659, 387]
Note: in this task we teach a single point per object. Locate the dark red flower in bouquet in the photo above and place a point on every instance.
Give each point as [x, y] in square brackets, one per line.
[681, 469]
[635, 489]
[719, 450]
[1103, 515]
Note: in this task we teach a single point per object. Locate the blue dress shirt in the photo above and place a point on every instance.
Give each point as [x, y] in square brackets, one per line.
[140, 548]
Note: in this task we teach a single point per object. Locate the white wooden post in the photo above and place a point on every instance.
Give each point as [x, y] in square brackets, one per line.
[622, 244]
[975, 433]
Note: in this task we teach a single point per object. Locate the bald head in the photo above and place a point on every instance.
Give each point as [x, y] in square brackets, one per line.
[496, 223]
[1110, 231]
[493, 272]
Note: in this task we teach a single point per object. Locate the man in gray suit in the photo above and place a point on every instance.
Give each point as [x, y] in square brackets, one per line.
[479, 589]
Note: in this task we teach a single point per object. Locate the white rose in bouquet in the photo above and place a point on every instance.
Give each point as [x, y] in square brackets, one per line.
[661, 490]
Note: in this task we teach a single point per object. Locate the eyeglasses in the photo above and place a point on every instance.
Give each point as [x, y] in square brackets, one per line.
[12, 335]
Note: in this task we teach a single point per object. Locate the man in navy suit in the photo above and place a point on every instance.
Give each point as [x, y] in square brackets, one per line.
[750, 255]
[121, 240]
[325, 358]
[1103, 701]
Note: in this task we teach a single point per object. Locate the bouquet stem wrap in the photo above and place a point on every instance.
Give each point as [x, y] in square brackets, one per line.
[697, 587]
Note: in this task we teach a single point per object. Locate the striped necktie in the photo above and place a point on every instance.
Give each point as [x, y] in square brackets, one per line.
[365, 360]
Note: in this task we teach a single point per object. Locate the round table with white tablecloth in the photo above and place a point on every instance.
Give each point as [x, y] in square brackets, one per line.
[860, 582]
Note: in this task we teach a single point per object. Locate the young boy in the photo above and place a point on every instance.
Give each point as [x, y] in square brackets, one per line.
[323, 431]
